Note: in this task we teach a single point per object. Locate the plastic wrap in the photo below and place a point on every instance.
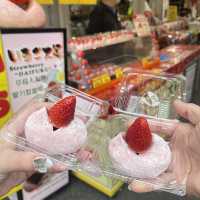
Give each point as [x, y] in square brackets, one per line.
[150, 94]
[94, 156]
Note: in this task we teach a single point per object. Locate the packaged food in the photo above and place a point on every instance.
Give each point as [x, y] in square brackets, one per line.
[150, 94]
[104, 145]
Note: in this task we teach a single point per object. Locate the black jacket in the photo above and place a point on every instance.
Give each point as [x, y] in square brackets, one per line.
[103, 19]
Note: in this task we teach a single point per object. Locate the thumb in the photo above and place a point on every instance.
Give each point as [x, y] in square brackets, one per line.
[188, 111]
[13, 161]
[19, 161]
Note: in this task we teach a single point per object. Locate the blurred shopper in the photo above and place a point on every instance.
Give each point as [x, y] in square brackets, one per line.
[104, 17]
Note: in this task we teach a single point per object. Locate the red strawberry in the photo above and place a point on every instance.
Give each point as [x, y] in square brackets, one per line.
[20, 2]
[62, 112]
[138, 136]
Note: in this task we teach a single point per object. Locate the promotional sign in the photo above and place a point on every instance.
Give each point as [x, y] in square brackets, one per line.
[33, 60]
[142, 26]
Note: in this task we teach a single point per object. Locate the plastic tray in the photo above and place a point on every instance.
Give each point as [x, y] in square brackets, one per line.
[100, 132]
[150, 94]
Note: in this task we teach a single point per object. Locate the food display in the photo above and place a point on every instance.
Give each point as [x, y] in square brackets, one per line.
[99, 59]
[99, 40]
[110, 139]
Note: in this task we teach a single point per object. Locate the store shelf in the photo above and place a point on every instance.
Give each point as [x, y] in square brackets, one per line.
[99, 40]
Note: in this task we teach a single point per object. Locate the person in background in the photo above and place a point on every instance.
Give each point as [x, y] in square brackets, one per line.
[104, 17]
[17, 14]
[184, 141]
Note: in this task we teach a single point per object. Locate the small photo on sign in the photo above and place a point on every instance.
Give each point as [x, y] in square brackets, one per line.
[36, 53]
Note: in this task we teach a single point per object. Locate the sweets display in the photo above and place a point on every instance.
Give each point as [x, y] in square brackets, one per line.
[99, 40]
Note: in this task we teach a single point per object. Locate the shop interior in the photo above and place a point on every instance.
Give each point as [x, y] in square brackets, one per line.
[138, 67]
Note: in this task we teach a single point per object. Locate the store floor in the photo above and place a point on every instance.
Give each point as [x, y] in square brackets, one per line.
[78, 190]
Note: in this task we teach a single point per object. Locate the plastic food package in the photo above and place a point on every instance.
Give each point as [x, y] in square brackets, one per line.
[94, 156]
[150, 94]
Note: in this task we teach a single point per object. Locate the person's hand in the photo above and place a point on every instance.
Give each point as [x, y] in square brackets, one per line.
[16, 166]
[184, 144]
[13, 16]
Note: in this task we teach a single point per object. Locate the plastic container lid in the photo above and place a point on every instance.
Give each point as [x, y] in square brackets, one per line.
[150, 94]
[101, 130]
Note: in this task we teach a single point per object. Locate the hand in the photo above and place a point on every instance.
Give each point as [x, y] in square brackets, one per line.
[184, 143]
[17, 166]
[13, 16]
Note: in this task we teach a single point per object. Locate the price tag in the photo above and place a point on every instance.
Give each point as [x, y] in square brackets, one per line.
[118, 73]
[172, 13]
[105, 78]
[96, 82]
[142, 26]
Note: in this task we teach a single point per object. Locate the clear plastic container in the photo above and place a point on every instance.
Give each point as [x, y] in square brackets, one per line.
[150, 94]
[94, 157]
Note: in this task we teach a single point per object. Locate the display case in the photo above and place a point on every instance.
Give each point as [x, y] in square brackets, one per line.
[100, 60]
[178, 32]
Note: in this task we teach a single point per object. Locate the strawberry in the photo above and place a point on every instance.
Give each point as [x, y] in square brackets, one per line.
[20, 2]
[62, 112]
[138, 136]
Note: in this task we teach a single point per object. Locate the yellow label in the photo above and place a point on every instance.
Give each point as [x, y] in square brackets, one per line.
[45, 2]
[105, 78]
[11, 192]
[101, 80]
[172, 13]
[85, 2]
[5, 105]
[96, 82]
[118, 73]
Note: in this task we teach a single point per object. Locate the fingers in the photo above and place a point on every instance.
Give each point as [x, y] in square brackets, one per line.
[156, 184]
[16, 125]
[165, 128]
[57, 168]
[192, 185]
[12, 161]
[188, 111]
[35, 15]
[141, 187]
